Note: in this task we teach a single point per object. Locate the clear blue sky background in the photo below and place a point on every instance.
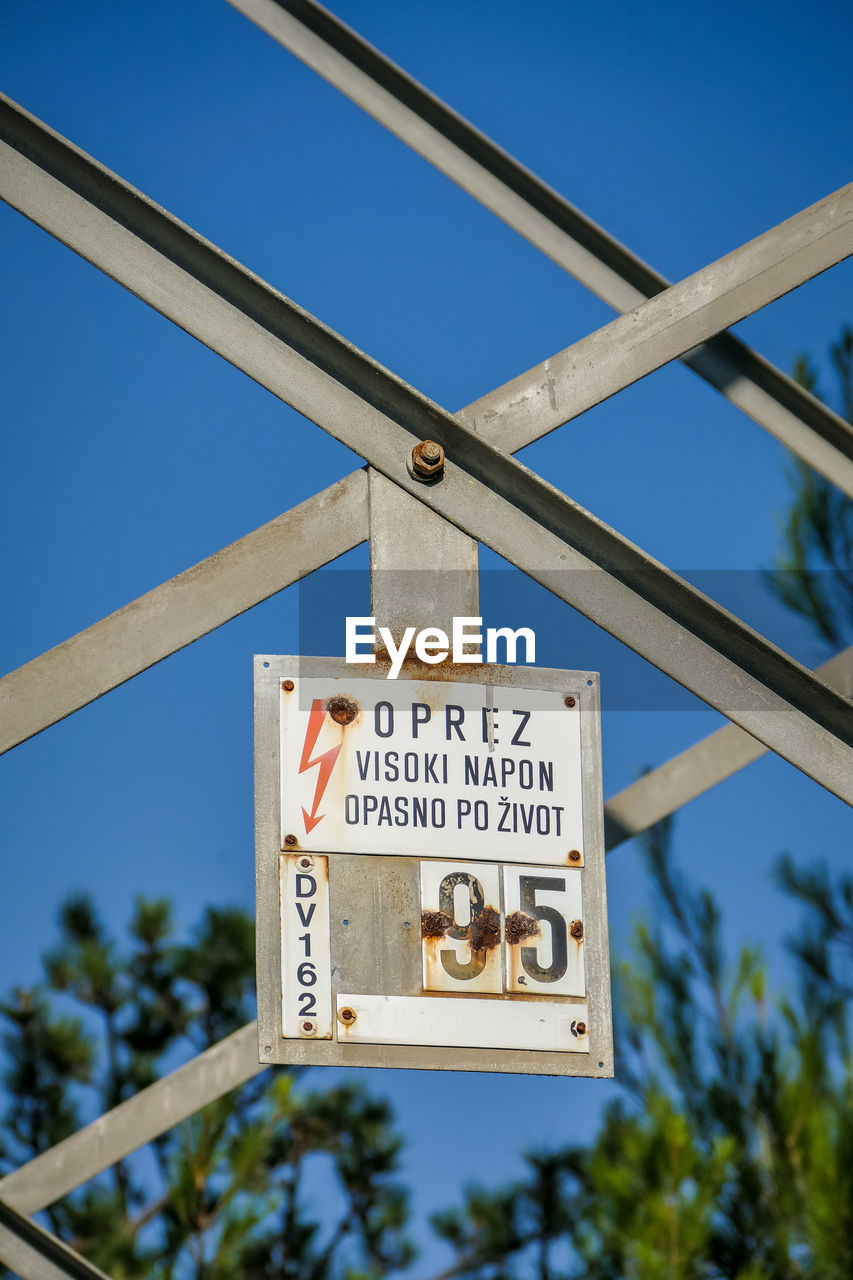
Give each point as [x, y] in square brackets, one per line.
[131, 452]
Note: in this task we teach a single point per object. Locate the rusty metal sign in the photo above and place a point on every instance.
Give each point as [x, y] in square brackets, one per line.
[430, 869]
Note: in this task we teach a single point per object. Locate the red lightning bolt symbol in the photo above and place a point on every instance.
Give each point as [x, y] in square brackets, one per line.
[326, 761]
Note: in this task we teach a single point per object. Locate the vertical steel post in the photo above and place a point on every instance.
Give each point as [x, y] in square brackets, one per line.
[423, 569]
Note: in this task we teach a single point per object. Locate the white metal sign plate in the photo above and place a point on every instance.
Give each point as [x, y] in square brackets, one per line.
[306, 962]
[441, 1020]
[417, 907]
[461, 927]
[413, 767]
[508, 929]
[545, 931]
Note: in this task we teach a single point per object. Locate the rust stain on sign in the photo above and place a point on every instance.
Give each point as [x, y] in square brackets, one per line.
[520, 927]
[434, 924]
[484, 931]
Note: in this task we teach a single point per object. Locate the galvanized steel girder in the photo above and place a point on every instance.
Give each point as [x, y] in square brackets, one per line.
[548, 221]
[484, 491]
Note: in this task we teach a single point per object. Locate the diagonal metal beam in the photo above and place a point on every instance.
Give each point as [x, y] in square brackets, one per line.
[36, 1254]
[691, 773]
[658, 331]
[484, 492]
[186, 607]
[192, 604]
[543, 217]
[132, 1124]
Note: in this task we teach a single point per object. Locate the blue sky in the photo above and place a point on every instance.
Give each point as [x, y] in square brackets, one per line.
[131, 452]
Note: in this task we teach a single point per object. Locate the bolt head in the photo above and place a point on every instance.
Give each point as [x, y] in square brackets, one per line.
[290, 840]
[574, 855]
[288, 686]
[581, 1028]
[568, 701]
[427, 460]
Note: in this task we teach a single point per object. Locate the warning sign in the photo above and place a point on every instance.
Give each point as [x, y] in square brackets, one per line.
[426, 767]
[430, 869]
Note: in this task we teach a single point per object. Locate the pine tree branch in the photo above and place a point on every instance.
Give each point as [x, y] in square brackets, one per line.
[145, 1215]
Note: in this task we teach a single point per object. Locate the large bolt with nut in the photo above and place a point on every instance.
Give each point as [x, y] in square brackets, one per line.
[427, 460]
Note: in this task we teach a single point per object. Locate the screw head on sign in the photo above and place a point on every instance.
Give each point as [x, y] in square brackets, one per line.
[427, 460]
[574, 855]
[568, 701]
[290, 840]
[576, 930]
[308, 1028]
[581, 1028]
[305, 863]
[288, 686]
[347, 1015]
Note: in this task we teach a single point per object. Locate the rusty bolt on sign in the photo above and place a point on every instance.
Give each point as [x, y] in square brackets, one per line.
[347, 1016]
[343, 710]
[290, 840]
[576, 930]
[427, 461]
[305, 864]
[581, 1028]
[308, 1028]
[288, 686]
[569, 701]
[574, 855]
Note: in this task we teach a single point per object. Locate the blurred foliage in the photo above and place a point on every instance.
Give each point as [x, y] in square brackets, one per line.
[731, 1152]
[223, 1195]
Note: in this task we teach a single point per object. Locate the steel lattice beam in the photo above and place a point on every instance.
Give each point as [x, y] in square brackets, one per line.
[543, 217]
[112, 1137]
[485, 492]
[691, 773]
[240, 576]
[186, 607]
[532, 524]
[35, 1254]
